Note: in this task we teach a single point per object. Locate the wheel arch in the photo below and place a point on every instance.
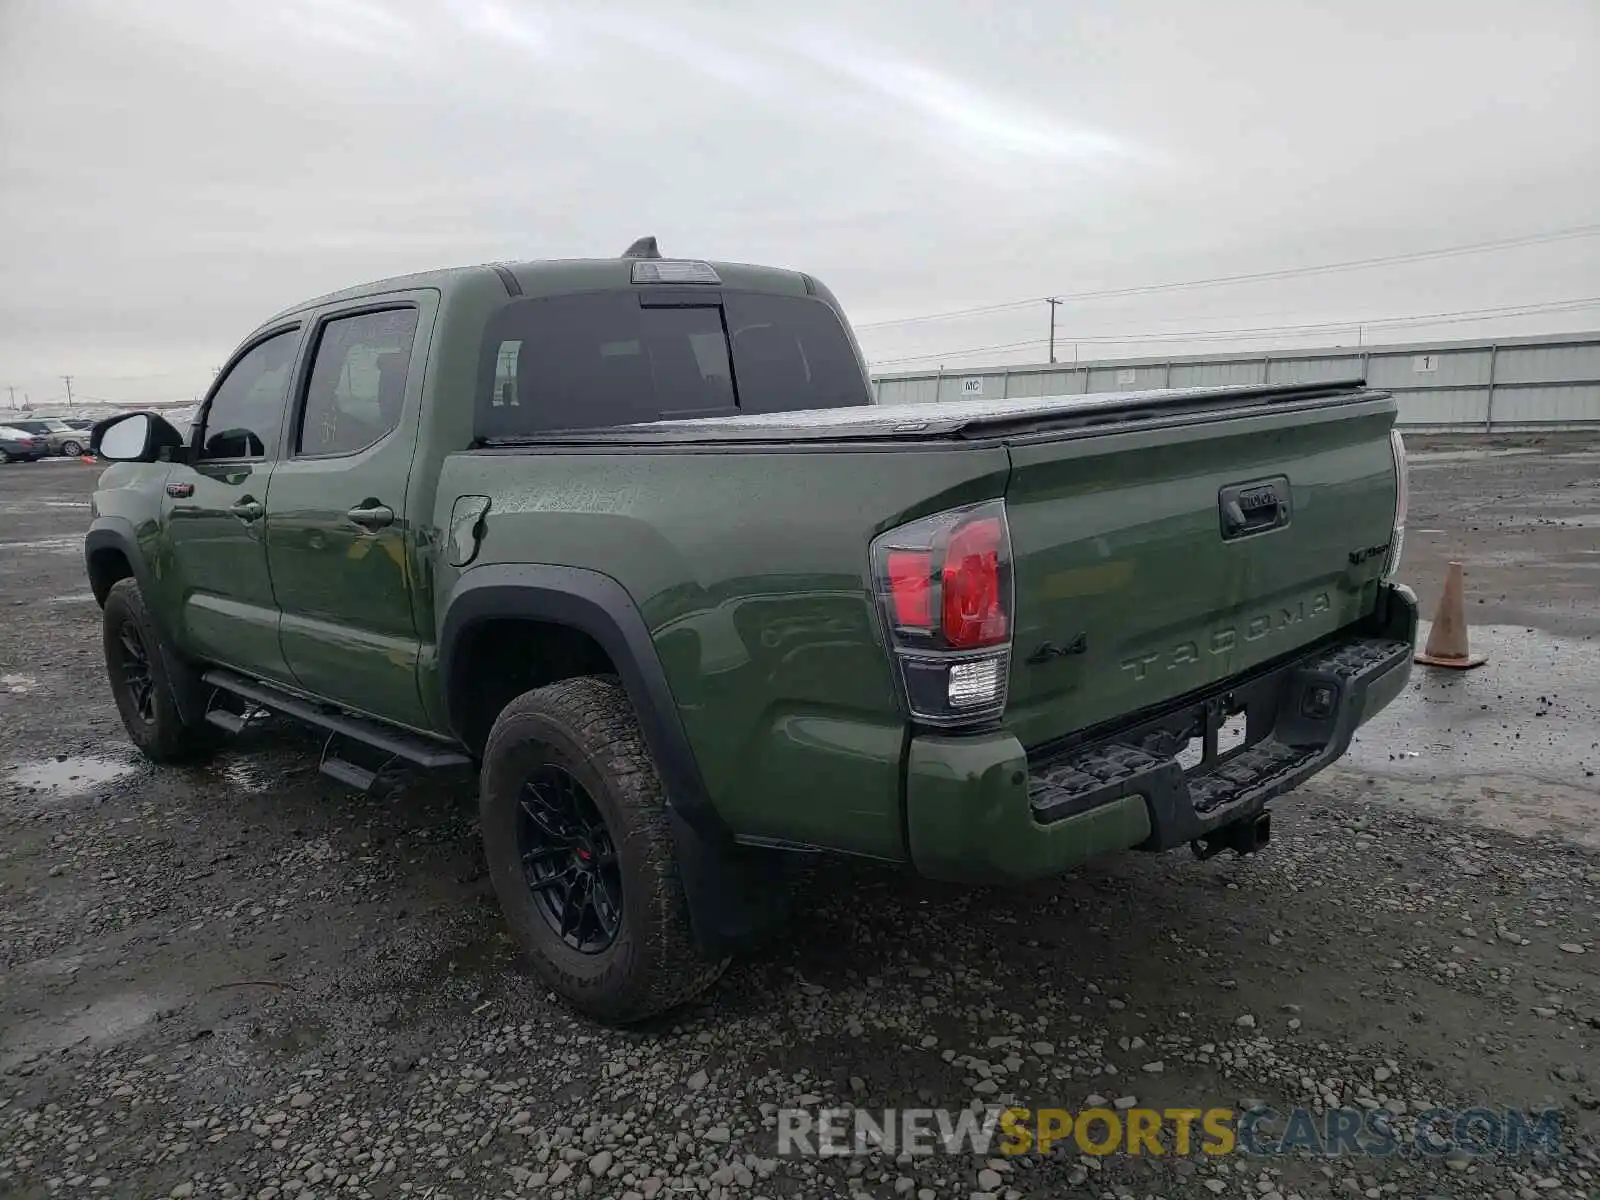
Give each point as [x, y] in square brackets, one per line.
[597, 607]
[728, 887]
[111, 554]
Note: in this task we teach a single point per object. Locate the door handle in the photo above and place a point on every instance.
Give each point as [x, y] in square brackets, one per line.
[375, 517]
[248, 510]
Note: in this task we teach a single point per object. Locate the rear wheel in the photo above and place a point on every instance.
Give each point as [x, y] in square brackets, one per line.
[580, 854]
[140, 672]
[7, 457]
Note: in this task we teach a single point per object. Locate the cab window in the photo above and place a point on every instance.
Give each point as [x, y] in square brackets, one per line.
[358, 382]
[245, 415]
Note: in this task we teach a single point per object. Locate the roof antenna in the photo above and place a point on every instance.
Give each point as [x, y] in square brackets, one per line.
[645, 247]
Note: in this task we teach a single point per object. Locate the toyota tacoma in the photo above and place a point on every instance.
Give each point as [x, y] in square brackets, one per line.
[630, 539]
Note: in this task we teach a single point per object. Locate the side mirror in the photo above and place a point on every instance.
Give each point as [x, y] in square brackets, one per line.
[134, 437]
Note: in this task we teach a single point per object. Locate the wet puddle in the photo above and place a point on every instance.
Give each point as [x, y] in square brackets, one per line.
[250, 777]
[17, 685]
[1550, 520]
[102, 1022]
[69, 775]
[57, 545]
[1489, 742]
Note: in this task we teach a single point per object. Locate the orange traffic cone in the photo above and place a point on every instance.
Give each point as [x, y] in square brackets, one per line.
[1447, 639]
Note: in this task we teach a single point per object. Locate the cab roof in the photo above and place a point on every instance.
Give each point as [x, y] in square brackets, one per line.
[550, 277]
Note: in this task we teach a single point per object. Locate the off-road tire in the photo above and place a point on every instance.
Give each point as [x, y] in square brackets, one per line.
[166, 737]
[587, 727]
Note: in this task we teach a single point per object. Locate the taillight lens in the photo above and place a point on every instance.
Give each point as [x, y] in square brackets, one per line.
[970, 580]
[1402, 504]
[944, 587]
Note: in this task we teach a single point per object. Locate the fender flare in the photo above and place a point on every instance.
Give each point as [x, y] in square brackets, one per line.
[729, 889]
[597, 605]
[117, 533]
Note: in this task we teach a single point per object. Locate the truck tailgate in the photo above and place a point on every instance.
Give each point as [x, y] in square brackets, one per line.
[1152, 562]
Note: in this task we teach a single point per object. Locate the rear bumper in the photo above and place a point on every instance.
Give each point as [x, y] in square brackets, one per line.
[982, 808]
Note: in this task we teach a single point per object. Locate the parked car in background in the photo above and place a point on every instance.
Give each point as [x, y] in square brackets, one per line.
[58, 436]
[18, 445]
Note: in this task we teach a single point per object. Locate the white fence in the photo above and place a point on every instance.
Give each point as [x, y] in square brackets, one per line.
[1514, 384]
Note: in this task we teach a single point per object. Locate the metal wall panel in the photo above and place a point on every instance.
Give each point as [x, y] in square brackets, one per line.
[1531, 406]
[1548, 364]
[1127, 379]
[1453, 406]
[1216, 374]
[1452, 368]
[1314, 370]
[1046, 383]
[1512, 383]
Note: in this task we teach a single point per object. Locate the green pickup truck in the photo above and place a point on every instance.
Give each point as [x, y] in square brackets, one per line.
[631, 539]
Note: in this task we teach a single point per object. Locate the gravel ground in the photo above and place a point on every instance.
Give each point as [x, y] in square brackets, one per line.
[240, 980]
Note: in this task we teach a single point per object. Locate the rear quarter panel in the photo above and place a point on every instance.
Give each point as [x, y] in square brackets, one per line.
[750, 570]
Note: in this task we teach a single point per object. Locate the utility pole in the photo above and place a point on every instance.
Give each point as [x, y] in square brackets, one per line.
[1054, 304]
[68, 380]
[12, 401]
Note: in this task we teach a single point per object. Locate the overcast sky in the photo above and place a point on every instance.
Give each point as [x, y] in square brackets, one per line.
[176, 170]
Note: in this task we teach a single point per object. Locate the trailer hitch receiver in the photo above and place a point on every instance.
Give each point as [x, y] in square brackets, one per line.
[1242, 837]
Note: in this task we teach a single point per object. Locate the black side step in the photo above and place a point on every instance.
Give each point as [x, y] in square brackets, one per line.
[413, 748]
[349, 773]
[223, 719]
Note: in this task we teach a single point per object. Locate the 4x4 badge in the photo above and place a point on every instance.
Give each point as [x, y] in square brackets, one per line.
[1050, 650]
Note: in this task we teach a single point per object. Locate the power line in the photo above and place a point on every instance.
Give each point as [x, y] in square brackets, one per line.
[1448, 318]
[1558, 235]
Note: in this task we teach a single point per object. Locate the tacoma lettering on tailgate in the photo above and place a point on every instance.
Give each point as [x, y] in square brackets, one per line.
[1223, 640]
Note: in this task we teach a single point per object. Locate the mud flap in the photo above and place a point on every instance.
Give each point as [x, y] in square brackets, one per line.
[190, 693]
[737, 895]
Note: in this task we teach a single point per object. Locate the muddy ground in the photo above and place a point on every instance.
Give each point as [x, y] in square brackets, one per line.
[242, 980]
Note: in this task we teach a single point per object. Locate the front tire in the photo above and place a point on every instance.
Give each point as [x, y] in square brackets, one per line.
[580, 854]
[139, 669]
[71, 450]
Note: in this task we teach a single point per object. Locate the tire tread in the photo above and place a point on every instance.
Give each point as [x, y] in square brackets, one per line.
[597, 715]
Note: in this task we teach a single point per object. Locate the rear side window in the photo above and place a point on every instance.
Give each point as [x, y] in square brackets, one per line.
[603, 359]
[358, 381]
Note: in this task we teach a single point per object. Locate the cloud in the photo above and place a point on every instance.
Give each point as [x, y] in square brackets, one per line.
[176, 172]
[955, 113]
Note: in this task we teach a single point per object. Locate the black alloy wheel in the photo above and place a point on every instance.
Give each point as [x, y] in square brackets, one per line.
[135, 664]
[569, 860]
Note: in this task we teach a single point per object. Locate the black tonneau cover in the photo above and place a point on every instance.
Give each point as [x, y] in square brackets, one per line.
[964, 419]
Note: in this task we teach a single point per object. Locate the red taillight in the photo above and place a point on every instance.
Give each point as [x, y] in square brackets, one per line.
[911, 588]
[974, 611]
[944, 586]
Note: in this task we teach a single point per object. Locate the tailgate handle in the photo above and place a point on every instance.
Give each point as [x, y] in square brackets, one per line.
[1254, 507]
